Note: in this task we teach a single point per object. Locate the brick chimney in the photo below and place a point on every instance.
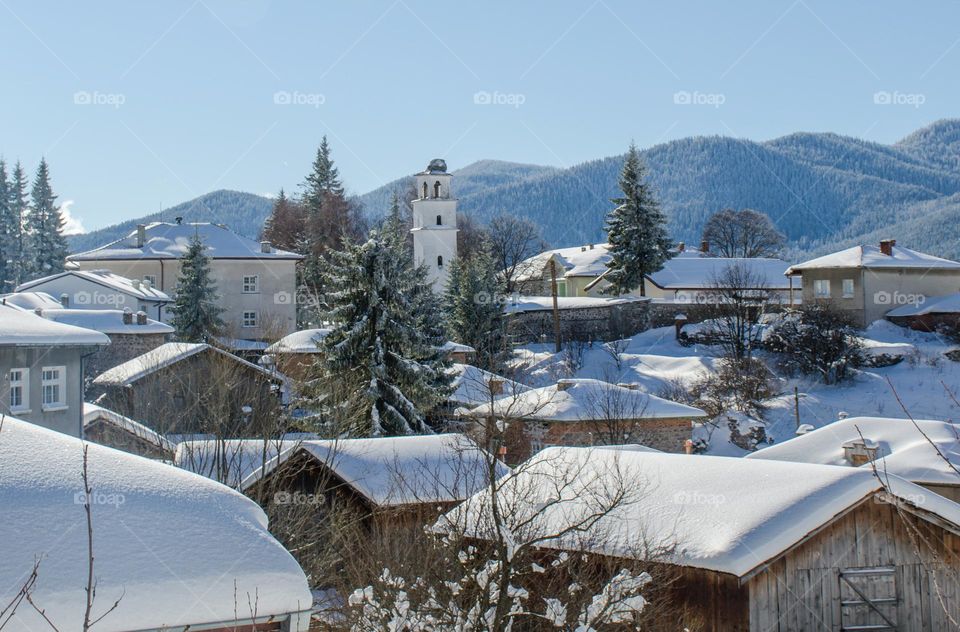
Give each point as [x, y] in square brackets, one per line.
[886, 246]
[141, 235]
[266, 247]
[495, 384]
[704, 246]
[127, 316]
[564, 384]
[141, 318]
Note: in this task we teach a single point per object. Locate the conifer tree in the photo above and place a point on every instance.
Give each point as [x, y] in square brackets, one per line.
[9, 231]
[473, 307]
[196, 309]
[636, 231]
[19, 206]
[48, 247]
[323, 180]
[284, 226]
[382, 368]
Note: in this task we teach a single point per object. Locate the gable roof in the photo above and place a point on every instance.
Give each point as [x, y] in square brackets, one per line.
[104, 278]
[30, 300]
[163, 356]
[871, 257]
[304, 341]
[180, 549]
[170, 241]
[107, 321]
[20, 328]
[902, 447]
[396, 471]
[724, 514]
[584, 400]
[232, 460]
[93, 413]
[702, 272]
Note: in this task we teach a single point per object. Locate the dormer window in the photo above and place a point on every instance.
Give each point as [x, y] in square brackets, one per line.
[439, 220]
[439, 261]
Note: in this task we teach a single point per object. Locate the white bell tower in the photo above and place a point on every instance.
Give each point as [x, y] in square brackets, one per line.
[435, 224]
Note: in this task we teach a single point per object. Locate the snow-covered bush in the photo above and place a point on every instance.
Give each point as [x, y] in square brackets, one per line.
[816, 340]
[739, 385]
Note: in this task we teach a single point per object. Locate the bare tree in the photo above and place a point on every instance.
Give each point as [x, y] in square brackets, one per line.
[512, 241]
[743, 233]
[733, 306]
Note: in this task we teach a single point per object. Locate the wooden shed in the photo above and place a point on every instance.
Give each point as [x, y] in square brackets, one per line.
[763, 545]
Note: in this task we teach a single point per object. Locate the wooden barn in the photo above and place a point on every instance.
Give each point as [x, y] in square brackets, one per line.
[754, 544]
[108, 428]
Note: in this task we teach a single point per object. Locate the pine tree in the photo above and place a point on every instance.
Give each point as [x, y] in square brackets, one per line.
[474, 310]
[19, 206]
[383, 370]
[636, 231]
[323, 180]
[48, 247]
[9, 230]
[284, 226]
[196, 310]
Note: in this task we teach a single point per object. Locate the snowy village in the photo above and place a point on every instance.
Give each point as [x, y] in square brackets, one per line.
[703, 384]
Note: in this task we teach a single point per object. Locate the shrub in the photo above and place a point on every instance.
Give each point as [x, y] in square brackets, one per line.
[816, 340]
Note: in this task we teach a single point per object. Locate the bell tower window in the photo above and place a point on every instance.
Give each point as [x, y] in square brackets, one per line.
[439, 220]
[436, 189]
[424, 190]
[439, 261]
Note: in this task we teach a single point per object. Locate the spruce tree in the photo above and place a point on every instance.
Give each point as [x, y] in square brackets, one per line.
[19, 206]
[324, 179]
[636, 231]
[382, 368]
[48, 247]
[284, 226]
[9, 229]
[474, 310]
[196, 309]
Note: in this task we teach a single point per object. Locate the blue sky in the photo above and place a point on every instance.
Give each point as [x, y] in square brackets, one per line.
[138, 105]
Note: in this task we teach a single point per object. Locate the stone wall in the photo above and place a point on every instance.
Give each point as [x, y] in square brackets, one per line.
[122, 347]
[599, 323]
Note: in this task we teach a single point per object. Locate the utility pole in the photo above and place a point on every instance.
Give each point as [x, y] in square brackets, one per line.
[796, 404]
[556, 306]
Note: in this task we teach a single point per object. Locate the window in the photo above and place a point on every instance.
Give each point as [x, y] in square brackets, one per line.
[151, 279]
[848, 288]
[249, 319]
[19, 390]
[439, 220]
[439, 261]
[821, 288]
[251, 284]
[53, 381]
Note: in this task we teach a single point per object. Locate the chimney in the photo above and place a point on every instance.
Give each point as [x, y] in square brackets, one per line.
[583, 248]
[633, 386]
[860, 451]
[495, 384]
[688, 446]
[678, 322]
[591, 246]
[704, 246]
[136, 284]
[564, 384]
[178, 220]
[147, 284]
[65, 299]
[266, 247]
[127, 316]
[886, 246]
[141, 235]
[38, 311]
[141, 318]
[681, 247]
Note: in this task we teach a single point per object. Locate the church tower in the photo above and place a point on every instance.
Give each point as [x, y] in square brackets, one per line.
[435, 224]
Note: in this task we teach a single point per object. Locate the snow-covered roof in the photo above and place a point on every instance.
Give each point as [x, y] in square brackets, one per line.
[162, 357]
[456, 347]
[175, 548]
[720, 513]
[695, 272]
[163, 240]
[107, 321]
[949, 304]
[904, 447]
[588, 260]
[31, 300]
[471, 386]
[22, 328]
[395, 471]
[872, 257]
[241, 344]
[105, 278]
[232, 460]
[304, 341]
[585, 400]
[541, 303]
[93, 413]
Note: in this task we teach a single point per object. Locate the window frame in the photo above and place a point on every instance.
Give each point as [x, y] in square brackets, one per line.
[244, 320]
[24, 385]
[843, 288]
[152, 278]
[60, 383]
[817, 285]
[246, 285]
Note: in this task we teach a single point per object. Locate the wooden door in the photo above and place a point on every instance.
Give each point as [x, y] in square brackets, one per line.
[868, 598]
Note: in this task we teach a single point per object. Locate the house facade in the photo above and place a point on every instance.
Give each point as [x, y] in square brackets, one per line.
[867, 282]
[256, 283]
[42, 364]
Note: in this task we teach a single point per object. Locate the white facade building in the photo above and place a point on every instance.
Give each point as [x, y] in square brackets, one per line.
[435, 224]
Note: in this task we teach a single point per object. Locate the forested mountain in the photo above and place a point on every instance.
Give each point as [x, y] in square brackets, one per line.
[821, 190]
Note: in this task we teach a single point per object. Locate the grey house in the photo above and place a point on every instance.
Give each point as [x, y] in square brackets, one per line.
[42, 362]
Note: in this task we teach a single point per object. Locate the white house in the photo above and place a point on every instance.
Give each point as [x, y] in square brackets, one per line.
[256, 283]
[435, 223]
[174, 550]
[42, 363]
[868, 281]
[102, 289]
